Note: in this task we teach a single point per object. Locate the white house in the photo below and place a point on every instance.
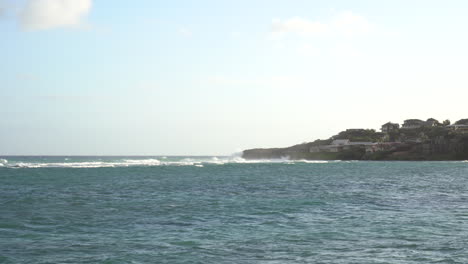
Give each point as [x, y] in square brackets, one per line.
[339, 145]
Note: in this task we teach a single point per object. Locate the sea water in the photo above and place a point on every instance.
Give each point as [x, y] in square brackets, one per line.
[228, 210]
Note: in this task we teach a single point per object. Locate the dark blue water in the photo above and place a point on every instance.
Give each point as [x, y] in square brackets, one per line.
[204, 210]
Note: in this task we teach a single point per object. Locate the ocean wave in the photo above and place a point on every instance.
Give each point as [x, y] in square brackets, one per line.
[61, 164]
[148, 162]
[313, 161]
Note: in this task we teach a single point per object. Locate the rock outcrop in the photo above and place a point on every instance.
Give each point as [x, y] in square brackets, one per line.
[435, 142]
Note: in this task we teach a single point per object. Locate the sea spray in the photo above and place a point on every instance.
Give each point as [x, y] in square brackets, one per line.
[110, 162]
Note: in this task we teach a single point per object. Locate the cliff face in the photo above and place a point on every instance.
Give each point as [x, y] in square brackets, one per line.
[437, 149]
[293, 152]
[302, 152]
[452, 148]
[274, 153]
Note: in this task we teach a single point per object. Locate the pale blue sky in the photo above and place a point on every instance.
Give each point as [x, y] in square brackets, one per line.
[89, 77]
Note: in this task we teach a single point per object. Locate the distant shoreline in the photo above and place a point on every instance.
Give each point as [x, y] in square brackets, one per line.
[415, 140]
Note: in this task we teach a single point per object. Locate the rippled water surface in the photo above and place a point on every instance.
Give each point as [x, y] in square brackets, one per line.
[226, 210]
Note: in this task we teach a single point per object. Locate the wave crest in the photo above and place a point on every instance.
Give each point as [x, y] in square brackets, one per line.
[147, 162]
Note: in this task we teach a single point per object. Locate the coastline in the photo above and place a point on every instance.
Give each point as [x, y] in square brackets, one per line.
[416, 140]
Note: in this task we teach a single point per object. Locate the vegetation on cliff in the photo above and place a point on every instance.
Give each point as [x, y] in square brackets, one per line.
[416, 140]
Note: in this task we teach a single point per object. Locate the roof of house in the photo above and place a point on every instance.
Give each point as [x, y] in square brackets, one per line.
[455, 125]
[340, 142]
[462, 122]
[390, 124]
[413, 121]
[362, 143]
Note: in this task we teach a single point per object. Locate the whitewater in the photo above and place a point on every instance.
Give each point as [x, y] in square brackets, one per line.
[107, 162]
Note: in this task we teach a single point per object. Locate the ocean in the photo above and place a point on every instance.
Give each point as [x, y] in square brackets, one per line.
[228, 210]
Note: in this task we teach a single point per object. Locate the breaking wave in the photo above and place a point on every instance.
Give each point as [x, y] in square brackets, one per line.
[3, 162]
[110, 162]
[147, 162]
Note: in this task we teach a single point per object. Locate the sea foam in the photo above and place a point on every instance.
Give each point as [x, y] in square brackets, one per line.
[146, 162]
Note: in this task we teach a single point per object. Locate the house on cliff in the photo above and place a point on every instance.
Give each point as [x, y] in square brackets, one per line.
[340, 142]
[431, 122]
[417, 123]
[339, 145]
[412, 124]
[462, 122]
[386, 146]
[459, 128]
[390, 127]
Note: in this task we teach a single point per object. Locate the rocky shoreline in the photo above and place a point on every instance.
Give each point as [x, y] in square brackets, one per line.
[416, 140]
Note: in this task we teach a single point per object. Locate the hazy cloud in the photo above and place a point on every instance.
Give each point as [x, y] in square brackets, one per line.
[343, 50]
[185, 32]
[27, 77]
[298, 25]
[351, 24]
[266, 81]
[235, 34]
[344, 23]
[3, 8]
[48, 14]
[308, 50]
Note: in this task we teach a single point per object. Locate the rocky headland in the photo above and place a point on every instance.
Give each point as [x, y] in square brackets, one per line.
[414, 140]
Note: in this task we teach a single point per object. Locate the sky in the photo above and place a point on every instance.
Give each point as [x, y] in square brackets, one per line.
[211, 77]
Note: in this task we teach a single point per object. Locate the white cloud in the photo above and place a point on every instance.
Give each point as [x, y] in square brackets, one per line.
[345, 23]
[298, 25]
[351, 24]
[185, 32]
[48, 14]
[344, 50]
[308, 50]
